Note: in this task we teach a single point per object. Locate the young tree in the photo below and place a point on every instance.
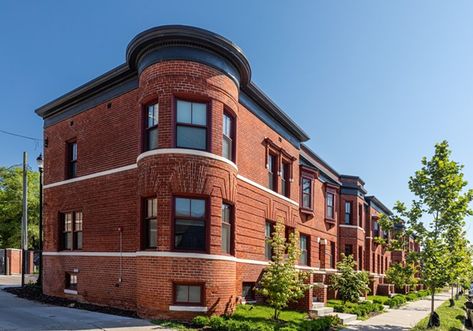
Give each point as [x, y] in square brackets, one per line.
[349, 283]
[401, 275]
[281, 283]
[11, 187]
[442, 201]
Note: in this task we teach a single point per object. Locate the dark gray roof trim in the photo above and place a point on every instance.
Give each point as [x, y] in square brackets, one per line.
[116, 77]
[353, 177]
[174, 42]
[320, 164]
[324, 173]
[352, 191]
[378, 205]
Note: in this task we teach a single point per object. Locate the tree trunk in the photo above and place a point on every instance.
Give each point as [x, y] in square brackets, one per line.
[452, 301]
[432, 300]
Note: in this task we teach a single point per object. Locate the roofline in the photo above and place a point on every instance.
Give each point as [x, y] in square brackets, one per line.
[381, 206]
[354, 177]
[163, 36]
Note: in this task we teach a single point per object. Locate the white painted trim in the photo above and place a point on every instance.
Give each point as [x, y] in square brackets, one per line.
[351, 226]
[140, 157]
[369, 237]
[181, 255]
[261, 187]
[94, 175]
[195, 309]
[185, 151]
[66, 291]
[96, 254]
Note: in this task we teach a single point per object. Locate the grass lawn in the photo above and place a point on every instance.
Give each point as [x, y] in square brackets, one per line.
[255, 313]
[451, 319]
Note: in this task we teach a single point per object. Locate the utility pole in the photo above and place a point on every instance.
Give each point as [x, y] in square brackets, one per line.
[24, 219]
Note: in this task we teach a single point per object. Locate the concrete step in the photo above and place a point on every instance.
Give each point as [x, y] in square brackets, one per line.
[346, 318]
[316, 304]
[323, 311]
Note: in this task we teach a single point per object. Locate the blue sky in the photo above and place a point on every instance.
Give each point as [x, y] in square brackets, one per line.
[375, 83]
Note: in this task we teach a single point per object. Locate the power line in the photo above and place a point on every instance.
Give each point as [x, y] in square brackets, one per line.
[19, 135]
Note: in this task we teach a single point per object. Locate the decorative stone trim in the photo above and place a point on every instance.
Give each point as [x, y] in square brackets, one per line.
[195, 309]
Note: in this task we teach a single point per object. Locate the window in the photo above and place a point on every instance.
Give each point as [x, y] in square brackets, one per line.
[375, 229]
[332, 255]
[71, 159]
[360, 215]
[189, 224]
[67, 231]
[188, 294]
[304, 247]
[268, 231]
[71, 230]
[151, 127]
[360, 257]
[347, 212]
[228, 137]
[71, 282]
[226, 228]
[151, 222]
[348, 250]
[330, 203]
[272, 169]
[191, 125]
[248, 291]
[306, 193]
[78, 229]
[285, 179]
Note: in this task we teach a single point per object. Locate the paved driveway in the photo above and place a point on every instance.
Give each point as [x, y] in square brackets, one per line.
[21, 314]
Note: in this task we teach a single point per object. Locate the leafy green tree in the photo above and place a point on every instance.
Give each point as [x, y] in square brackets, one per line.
[281, 282]
[349, 283]
[400, 275]
[442, 201]
[11, 188]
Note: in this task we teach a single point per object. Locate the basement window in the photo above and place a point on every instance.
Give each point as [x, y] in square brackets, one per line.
[70, 283]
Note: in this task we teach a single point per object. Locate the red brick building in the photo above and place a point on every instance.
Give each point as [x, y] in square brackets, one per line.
[165, 175]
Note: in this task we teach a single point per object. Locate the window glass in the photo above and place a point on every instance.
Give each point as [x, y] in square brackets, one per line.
[347, 212]
[199, 114]
[226, 228]
[153, 115]
[194, 294]
[268, 251]
[306, 193]
[192, 137]
[189, 227]
[303, 249]
[227, 141]
[330, 198]
[184, 112]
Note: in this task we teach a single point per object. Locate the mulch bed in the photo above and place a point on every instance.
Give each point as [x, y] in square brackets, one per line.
[31, 292]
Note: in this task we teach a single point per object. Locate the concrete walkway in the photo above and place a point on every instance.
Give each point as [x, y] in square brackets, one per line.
[21, 314]
[400, 319]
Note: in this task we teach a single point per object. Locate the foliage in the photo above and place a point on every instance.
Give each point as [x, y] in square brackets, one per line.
[443, 202]
[258, 317]
[349, 283]
[451, 318]
[362, 309]
[396, 301]
[281, 283]
[11, 196]
[401, 275]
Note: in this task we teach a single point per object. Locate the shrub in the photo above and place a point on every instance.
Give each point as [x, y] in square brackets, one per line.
[411, 296]
[380, 299]
[360, 309]
[201, 321]
[396, 301]
[320, 324]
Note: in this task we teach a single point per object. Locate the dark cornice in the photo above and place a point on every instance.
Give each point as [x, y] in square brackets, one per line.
[372, 200]
[171, 35]
[108, 80]
[171, 42]
[320, 164]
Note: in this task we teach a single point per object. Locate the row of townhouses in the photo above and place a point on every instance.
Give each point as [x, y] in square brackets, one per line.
[165, 176]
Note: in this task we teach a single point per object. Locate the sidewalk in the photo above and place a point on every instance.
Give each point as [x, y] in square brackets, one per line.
[400, 319]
